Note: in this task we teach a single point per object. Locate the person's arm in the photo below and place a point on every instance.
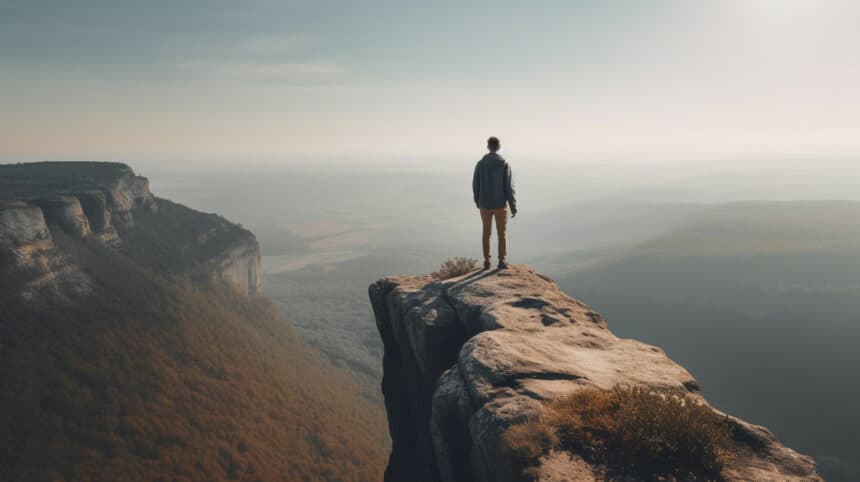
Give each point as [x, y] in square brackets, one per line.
[510, 193]
[476, 184]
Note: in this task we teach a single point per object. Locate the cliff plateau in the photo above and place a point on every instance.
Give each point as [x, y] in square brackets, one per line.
[104, 202]
[468, 357]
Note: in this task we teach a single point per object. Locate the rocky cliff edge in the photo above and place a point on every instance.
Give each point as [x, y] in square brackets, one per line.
[104, 202]
[467, 357]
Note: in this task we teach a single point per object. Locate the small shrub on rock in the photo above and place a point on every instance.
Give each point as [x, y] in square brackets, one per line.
[531, 439]
[631, 430]
[524, 443]
[451, 268]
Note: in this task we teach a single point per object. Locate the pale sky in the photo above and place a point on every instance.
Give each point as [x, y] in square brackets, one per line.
[294, 81]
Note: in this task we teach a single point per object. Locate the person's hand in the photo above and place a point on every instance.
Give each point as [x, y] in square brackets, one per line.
[513, 213]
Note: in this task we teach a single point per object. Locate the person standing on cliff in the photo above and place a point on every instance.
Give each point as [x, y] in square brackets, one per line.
[493, 187]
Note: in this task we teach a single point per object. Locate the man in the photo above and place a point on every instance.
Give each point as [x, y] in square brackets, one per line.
[493, 187]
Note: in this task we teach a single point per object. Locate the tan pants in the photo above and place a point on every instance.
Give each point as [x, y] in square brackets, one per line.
[501, 216]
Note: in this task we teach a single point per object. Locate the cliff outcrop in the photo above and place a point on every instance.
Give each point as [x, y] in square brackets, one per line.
[65, 212]
[82, 199]
[130, 360]
[104, 202]
[241, 267]
[23, 233]
[467, 358]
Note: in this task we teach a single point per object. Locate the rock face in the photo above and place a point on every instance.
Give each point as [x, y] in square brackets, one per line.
[23, 232]
[82, 199]
[467, 357]
[241, 267]
[67, 213]
[125, 195]
[102, 201]
[98, 212]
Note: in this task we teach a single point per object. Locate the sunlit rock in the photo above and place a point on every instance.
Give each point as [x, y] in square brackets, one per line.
[468, 357]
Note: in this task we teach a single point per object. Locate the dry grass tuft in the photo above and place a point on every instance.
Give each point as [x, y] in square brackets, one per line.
[529, 440]
[451, 268]
[629, 429]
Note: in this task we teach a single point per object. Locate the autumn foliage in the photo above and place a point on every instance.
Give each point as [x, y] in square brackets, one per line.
[630, 430]
[152, 377]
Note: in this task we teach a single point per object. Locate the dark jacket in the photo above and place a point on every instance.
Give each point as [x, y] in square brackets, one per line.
[493, 183]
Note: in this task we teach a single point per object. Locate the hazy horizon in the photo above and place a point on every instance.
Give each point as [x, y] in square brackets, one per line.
[738, 81]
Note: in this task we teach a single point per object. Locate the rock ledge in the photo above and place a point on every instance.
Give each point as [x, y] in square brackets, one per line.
[467, 357]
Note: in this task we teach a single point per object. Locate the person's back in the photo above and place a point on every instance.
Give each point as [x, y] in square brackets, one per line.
[493, 189]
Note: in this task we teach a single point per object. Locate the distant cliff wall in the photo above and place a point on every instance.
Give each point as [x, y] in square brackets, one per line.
[240, 266]
[100, 215]
[65, 212]
[468, 357]
[104, 202]
[23, 232]
[125, 195]
[79, 208]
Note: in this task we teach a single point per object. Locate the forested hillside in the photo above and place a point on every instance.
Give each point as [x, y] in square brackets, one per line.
[149, 375]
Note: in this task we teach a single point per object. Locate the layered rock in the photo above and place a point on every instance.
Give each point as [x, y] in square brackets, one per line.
[125, 195]
[465, 358]
[241, 266]
[95, 206]
[82, 199]
[105, 201]
[66, 213]
[23, 232]
[108, 193]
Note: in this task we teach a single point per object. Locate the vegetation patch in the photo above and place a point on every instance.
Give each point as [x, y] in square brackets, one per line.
[451, 268]
[531, 439]
[629, 430]
[153, 377]
[35, 179]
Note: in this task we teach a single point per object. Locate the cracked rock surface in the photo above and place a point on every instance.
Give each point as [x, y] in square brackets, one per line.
[467, 357]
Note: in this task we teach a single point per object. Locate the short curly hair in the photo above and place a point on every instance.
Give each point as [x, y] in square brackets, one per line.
[493, 144]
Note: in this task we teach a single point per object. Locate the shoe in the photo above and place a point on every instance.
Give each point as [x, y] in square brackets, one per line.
[503, 265]
[486, 265]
